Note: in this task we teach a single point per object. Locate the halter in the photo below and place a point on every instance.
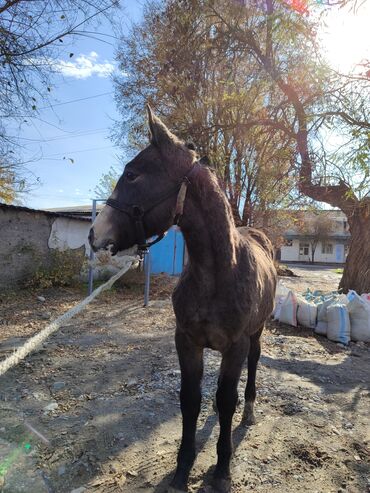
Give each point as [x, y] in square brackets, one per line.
[137, 212]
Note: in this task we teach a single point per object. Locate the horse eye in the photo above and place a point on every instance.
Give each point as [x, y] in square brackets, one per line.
[130, 176]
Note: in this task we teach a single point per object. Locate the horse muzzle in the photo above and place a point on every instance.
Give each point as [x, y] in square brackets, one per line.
[104, 244]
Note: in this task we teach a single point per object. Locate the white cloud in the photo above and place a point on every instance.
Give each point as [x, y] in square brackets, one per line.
[84, 66]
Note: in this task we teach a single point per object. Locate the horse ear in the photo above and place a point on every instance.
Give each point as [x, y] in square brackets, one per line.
[160, 135]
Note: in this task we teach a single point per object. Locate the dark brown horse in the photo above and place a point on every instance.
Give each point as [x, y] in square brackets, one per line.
[225, 293]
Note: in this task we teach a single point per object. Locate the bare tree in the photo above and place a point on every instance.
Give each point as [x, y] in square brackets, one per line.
[33, 34]
[178, 59]
[281, 41]
[316, 227]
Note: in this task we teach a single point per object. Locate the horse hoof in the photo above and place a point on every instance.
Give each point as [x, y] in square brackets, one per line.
[248, 420]
[221, 485]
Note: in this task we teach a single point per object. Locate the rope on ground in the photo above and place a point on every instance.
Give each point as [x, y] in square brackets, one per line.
[39, 338]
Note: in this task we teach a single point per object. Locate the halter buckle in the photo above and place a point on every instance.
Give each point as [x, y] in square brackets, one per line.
[137, 211]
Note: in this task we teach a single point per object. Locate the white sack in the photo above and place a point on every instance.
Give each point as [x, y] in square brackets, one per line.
[306, 313]
[321, 328]
[288, 310]
[359, 314]
[280, 295]
[322, 310]
[339, 327]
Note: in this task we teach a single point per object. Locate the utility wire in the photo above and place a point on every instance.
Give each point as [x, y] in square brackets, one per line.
[82, 133]
[50, 106]
[76, 100]
[65, 154]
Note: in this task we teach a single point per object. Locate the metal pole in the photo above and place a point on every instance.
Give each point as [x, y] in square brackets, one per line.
[174, 253]
[147, 277]
[91, 270]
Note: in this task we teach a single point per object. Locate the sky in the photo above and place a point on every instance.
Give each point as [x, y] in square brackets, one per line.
[68, 146]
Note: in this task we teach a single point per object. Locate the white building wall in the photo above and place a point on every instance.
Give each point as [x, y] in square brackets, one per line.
[69, 234]
[336, 257]
[291, 253]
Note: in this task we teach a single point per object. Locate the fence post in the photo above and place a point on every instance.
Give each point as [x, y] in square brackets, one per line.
[91, 269]
[147, 277]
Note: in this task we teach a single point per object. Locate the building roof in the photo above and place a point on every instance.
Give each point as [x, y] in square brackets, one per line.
[78, 210]
[53, 213]
[333, 236]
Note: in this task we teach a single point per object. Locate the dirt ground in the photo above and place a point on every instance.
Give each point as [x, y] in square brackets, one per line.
[96, 409]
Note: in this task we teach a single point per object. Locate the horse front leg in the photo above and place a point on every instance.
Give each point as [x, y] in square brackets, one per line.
[191, 365]
[227, 398]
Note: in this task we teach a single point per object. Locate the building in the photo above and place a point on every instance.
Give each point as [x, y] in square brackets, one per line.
[30, 236]
[299, 243]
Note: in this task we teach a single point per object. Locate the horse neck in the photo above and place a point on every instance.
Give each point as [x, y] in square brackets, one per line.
[208, 225]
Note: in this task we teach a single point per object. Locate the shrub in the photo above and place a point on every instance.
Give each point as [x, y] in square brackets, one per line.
[63, 270]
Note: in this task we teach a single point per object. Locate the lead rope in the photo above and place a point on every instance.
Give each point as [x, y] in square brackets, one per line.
[39, 338]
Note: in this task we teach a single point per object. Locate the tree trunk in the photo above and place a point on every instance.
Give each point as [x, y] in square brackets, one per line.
[356, 273]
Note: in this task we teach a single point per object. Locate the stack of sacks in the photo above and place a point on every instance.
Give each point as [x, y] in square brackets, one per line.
[292, 310]
[337, 316]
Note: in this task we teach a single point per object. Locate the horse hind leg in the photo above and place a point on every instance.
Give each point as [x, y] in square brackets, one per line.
[250, 390]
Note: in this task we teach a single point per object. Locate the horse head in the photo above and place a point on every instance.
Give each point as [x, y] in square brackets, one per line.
[143, 203]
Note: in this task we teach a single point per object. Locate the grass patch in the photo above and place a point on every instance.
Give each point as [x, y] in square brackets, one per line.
[339, 271]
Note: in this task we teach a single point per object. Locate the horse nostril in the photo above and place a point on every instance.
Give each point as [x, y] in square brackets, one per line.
[91, 236]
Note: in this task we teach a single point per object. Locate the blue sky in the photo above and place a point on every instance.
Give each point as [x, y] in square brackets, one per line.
[78, 130]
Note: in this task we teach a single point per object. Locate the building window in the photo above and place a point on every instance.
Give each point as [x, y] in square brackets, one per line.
[304, 249]
[288, 243]
[327, 248]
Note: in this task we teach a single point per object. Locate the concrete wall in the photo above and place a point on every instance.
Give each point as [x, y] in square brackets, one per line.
[27, 238]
